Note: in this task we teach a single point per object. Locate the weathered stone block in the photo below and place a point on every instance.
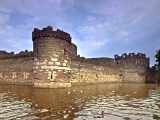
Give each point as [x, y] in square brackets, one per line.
[43, 67]
[64, 64]
[35, 59]
[65, 61]
[36, 67]
[52, 67]
[43, 63]
[37, 63]
[57, 63]
[54, 59]
[50, 63]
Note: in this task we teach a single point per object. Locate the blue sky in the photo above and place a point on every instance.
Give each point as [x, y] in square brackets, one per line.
[99, 28]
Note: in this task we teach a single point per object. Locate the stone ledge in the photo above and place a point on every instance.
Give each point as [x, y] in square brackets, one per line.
[52, 85]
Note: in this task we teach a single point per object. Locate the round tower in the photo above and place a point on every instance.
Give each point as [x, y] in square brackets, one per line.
[51, 58]
[73, 50]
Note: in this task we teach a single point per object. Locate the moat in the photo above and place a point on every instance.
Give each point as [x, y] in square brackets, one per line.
[118, 101]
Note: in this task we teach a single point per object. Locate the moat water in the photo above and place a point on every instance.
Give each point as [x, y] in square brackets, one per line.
[118, 101]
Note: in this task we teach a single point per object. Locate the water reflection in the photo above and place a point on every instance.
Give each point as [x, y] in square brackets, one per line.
[116, 101]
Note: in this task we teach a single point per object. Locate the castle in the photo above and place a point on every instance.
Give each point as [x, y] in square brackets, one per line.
[54, 63]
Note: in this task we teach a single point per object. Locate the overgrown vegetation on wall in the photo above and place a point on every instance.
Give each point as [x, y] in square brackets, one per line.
[158, 64]
[158, 60]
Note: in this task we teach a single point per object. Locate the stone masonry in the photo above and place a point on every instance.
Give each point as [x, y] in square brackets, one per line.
[54, 63]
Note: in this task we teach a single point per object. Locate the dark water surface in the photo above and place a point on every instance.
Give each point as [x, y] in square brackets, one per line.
[118, 101]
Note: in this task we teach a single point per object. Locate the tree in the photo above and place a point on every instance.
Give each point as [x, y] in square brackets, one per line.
[158, 60]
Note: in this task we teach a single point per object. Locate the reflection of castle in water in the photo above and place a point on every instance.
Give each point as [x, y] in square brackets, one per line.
[131, 99]
[54, 63]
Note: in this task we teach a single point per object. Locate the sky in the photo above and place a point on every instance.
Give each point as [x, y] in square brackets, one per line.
[99, 28]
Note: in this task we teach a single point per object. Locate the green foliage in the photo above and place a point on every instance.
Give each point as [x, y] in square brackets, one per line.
[158, 60]
[158, 67]
[73, 77]
[158, 56]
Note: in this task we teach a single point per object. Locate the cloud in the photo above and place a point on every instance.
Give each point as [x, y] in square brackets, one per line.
[123, 33]
[89, 46]
[94, 26]
[98, 44]
[40, 12]
[13, 39]
[4, 18]
[18, 18]
[90, 18]
[89, 43]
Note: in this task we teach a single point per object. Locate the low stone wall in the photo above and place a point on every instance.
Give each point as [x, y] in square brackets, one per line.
[151, 75]
[132, 74]
[94, 71]
[83, 72]
[17, 71]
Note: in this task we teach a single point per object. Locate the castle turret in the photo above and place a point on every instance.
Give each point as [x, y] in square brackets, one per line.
[132, 60]
[51, 58]
[73, 49]
[132, 67]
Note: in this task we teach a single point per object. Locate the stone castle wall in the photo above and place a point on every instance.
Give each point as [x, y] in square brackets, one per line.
[97, 70]
[73, 50]
[16, 68]
[151, 75]
[92, 71]
[132, 66]
[132, 60]
[54, 63]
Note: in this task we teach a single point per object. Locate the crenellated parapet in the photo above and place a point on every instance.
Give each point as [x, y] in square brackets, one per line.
[48, 32]
[10, 55]
[4, 54]
[130, 55]
[132, 59]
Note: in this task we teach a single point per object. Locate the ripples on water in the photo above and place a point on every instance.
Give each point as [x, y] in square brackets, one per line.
[118, 101]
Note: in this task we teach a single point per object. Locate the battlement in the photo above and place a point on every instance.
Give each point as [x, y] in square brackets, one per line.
[48, 32]
[130, 55]
[7, 55]
[132, 59]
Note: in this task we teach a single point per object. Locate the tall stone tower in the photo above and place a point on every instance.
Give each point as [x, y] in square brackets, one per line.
[51, 58]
